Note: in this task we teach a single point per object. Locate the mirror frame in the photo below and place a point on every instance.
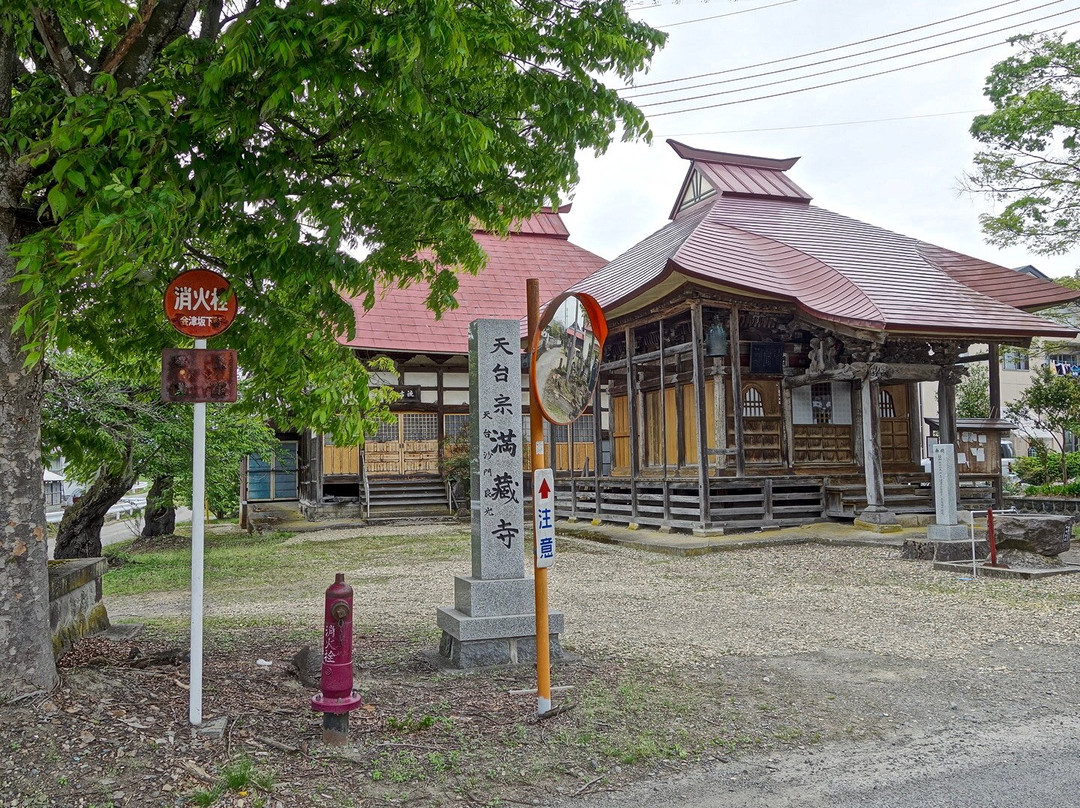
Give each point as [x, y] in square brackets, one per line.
[599, 330]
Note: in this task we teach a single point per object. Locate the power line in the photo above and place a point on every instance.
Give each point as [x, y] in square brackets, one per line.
[825, 125]
[658, 3]
[822, 50]
[853, 66]
[866, 52]
[843, 81]
[727, 14]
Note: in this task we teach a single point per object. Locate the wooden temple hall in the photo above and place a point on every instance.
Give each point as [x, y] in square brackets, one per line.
[764, 354]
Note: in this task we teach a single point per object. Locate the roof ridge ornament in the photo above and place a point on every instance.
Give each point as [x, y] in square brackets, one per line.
[730, 158]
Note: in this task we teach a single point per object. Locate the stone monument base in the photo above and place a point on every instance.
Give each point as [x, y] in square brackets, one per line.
[944, 551]
[477, 642]
[948, 533]
[468, 654]
[492, 622]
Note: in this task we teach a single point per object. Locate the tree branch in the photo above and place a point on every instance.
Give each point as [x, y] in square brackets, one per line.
[51, 31]
[211, 21]
[108, 62]
[154, 26]
[7, 70]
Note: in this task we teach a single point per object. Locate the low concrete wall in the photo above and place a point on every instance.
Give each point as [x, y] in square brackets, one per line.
[76, 609]
[1069, 506]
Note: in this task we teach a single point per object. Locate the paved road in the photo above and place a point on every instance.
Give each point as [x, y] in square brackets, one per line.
[1032, 763]
[124, 529]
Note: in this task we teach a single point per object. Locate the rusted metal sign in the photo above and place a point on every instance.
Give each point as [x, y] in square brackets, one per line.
[199, 303]
[189, 375]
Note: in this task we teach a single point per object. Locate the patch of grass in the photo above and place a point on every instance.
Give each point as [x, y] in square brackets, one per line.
[228, 557]
[239, 776]
[264, 562]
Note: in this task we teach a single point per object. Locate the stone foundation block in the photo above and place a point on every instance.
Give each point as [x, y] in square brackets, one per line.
[476, 642]
[76, 609]
[466, 654]
[921, 550]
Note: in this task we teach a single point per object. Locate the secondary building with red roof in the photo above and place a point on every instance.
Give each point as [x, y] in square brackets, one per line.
[765, 352]
[398, 467]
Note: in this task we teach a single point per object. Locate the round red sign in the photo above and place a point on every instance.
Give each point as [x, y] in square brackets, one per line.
[200, 304]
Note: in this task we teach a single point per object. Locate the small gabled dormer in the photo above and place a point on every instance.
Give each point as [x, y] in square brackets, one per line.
[735, 175]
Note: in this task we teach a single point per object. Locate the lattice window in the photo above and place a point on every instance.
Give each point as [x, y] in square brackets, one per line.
[456, 426]
[583, 429]
[420, 426]
[886, 405]
[821, 403]
[753, 404]
[386, 433]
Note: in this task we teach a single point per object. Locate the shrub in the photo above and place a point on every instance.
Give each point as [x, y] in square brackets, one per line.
[1069, 490]
[456, 466]
[1046, 470]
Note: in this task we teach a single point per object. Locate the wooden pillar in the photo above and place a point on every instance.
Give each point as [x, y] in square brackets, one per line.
[663, 400]
[736, 390]
[697, 332]
[719, 414]
[915, 423]
[859, 443]
[947, 406]
[995, 380]
[631, 416]
[598, 443]
[875, 483]
[788, 425]
[440, 430]
[680, 424]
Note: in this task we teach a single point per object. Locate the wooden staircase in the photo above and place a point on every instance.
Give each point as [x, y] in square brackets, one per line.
[849, 499]
[399, 497]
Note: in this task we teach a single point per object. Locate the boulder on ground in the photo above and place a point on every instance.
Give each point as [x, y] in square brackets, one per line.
[1044, 534]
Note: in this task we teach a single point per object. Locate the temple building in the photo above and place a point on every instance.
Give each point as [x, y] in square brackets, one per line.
[764, 355]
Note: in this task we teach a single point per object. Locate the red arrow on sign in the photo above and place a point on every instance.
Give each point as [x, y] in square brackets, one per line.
[545, 489]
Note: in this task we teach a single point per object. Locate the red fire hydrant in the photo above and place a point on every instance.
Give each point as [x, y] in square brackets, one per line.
[337, 697]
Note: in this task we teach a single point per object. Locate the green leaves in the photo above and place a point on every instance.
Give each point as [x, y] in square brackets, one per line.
[306, 134]
[1029, 159]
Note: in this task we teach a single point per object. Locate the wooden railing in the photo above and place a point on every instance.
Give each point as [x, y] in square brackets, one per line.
[747, 502]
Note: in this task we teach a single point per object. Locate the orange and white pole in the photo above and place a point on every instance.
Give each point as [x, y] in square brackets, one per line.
[537, 461]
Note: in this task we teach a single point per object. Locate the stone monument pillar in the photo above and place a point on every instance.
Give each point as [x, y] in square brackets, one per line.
[946, 525]
[492, 621]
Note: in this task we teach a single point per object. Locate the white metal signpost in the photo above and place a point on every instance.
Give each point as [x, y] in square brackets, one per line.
[199, 303]
[544, 516]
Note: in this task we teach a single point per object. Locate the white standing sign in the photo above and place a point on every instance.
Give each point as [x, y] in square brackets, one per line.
[544, 516]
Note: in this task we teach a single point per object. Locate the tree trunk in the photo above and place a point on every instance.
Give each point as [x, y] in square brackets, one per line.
[26, 660]
[80, 529]
[160, 516]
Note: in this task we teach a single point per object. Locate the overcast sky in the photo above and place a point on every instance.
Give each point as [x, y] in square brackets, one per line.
[903, 175]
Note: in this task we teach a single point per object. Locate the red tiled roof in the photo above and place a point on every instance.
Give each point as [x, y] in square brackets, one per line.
[539, 248]
[832, 267]
[1020, 289]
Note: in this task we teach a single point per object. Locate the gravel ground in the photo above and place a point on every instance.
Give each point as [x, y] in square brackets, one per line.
[764, 602]
[852, 647]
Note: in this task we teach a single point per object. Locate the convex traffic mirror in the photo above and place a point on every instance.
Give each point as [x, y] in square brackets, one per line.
[566, 350]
